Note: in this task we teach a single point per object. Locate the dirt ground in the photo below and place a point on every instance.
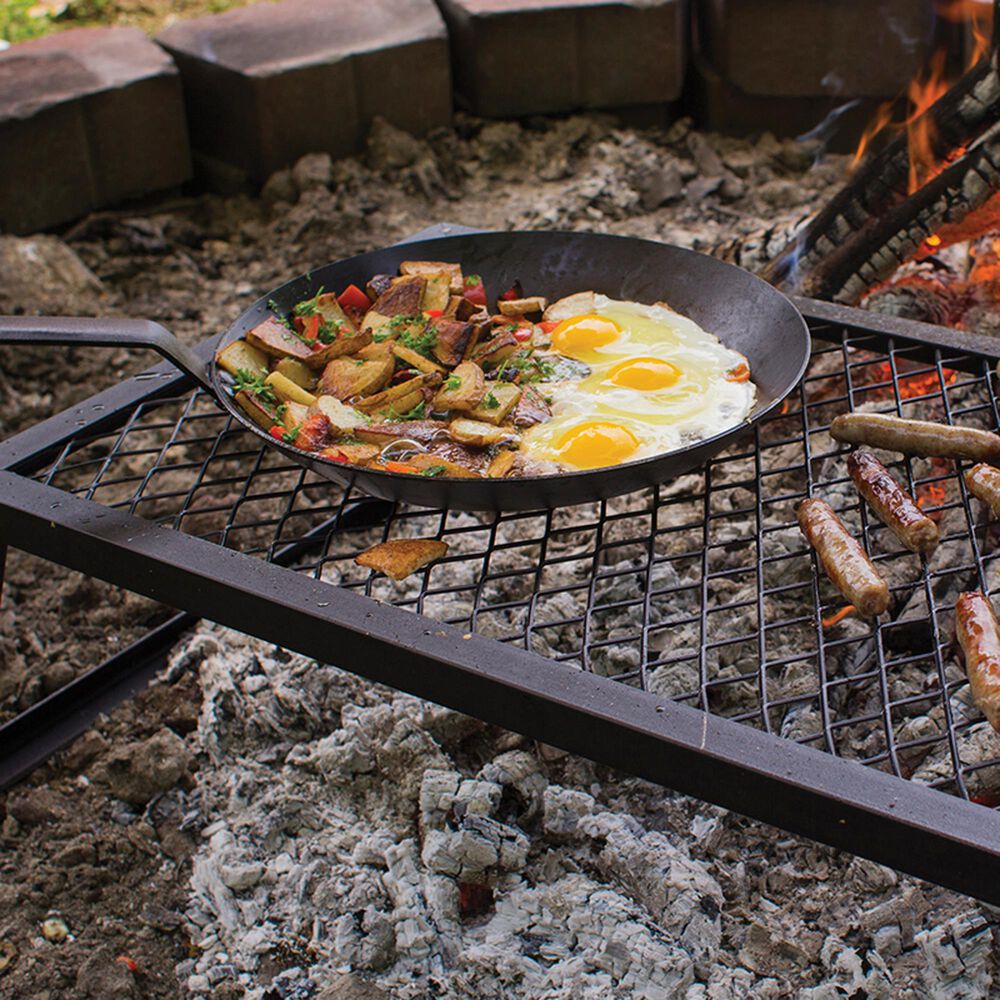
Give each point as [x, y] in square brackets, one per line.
[89, 836]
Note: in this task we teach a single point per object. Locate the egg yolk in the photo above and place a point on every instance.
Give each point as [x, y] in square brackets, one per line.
[595, 444]
[644, 374]
[584, 333]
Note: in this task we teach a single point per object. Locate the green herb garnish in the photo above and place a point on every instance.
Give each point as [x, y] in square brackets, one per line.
[417, 413]
[248, 381]
[423, 342]
[453, 382]
[433, 470]
[472, 280]
[308, 307]
[329, 330]
[491, 402]
[290, 435]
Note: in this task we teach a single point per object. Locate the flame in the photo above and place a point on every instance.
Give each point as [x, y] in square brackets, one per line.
[926, 384]
[935, 494]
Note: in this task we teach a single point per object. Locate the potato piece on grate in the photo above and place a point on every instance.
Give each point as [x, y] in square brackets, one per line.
[496, 405]
[522, 307]
[239, 355]
[297, 373]
[288, 391]
[343, 418]
[479, 434]
[418, 361]
[401, 557]
[463, 389]
[346, 378]
[429, 268]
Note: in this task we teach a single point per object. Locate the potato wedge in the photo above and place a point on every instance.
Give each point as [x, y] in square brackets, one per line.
[497, 404]
[287, 391]
[522, 307]
[332, 312]
[346, 378]
[436, 292]
[460, 308]
[400, 557]
[400, 407]
[343, 419]
[295, 414]
[496, 349]
[348, 342]
[501, 463]
[429, 267]
[240, 355]
[418, 361]
[428, 463]
[453, 340]
[297, 372]
[463, 389]
[377, 351]
[273, 338]
[353, 453]
[403, 297]
[395, 393]
[479, 434]
[578, 304]
[260, 413]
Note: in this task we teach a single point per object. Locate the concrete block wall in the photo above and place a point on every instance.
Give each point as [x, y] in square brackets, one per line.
[93, 117]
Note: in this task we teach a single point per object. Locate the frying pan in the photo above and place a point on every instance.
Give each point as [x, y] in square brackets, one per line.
[743, 311]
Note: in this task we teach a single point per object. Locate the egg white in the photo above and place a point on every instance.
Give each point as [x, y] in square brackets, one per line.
[699, 405]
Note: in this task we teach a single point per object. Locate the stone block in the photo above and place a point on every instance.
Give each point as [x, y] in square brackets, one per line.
[543, 56]
[816, 48]
[88, 118]
[266, 84]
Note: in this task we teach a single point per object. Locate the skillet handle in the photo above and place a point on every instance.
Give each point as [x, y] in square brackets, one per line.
[79, 332]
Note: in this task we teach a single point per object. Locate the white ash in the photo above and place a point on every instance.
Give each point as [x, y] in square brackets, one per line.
[349, 828]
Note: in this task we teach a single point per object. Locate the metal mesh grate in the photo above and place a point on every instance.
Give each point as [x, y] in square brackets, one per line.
[702, 589]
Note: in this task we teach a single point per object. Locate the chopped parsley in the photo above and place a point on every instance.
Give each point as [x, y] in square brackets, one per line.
[329, 330]
[526, 368]
[280, 316]
[290, 435]
[491, 402]
[472, 280]
[384, 334]
[308, 307]
[248, 381]
[417, 413]
[422, 342]
[453, 383]
[433, 470]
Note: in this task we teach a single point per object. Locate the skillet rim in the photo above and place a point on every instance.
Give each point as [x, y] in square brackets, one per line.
[354, 475]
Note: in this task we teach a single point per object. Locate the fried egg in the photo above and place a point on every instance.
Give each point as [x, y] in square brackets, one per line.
[657, 382]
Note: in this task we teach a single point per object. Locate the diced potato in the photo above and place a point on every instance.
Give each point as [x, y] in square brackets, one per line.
[463, 389]
[376, 351]
[395, 393]
[343, 419]
[578, 304]
[402, 556]
[332, 311]
[346, 378]
[497, 349]
[273, 338]
[427, 267]
[287, 391]
[460, 308]
[374, 322]
[347, 342]
[377, 284]
[522, 307]
[418, 361]
[261, 414]
[436, 292]
[429, 462]
[297, 372]
[500, 399]
[501, 463]
[239, 355]
[295, 414]
[479, 434]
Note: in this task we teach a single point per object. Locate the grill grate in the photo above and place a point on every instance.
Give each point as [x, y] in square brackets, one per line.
[701, 590]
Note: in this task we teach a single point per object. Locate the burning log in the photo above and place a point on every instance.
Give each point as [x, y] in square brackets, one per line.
[936, 183]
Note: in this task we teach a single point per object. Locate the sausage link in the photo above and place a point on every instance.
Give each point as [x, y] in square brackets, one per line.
[984, 484]
[843, 560]
[979, 636]
[916, 437]
[894, 506]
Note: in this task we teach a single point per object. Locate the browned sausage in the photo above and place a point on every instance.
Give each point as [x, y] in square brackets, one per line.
[894, 506]
[979, 636]
[916, 437]
[843, 560]
[984, 483]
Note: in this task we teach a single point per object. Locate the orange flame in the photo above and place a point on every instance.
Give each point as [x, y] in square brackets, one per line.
[920, 132]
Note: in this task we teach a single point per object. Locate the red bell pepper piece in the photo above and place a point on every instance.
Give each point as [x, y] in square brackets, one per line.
[311, 331]
[522, 333]
[433, 313]
[548, 325]
[333, 455]
[475, 290]
[353, 297]
[278, 432]
[400, 467]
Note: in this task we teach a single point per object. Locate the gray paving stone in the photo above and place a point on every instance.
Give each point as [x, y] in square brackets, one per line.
[815, 48]
[88, 118]
[522, 57]
[266, 84]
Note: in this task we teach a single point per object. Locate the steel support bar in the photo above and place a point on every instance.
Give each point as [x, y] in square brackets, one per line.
[838, 802]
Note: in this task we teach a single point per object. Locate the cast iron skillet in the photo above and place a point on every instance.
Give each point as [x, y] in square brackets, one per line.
[744, 312]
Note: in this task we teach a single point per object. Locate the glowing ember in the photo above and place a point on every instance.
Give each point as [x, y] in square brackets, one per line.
[934, 494]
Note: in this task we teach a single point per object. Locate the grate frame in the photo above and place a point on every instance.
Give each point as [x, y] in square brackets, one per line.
[89, 488]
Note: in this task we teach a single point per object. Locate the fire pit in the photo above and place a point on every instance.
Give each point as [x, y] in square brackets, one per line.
[682, 634]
